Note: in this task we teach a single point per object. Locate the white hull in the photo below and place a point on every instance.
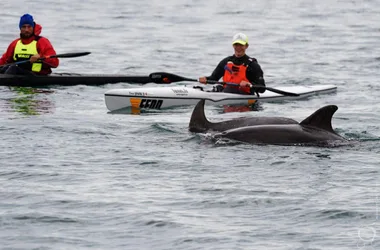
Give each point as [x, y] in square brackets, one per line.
[166, 97]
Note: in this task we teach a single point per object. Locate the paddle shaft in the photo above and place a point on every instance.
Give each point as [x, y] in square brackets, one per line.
[167, 78]
[66, 55]
[278, 91]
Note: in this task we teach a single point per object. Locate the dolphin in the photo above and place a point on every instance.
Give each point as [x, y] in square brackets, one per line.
[200, 124]
[314, 130]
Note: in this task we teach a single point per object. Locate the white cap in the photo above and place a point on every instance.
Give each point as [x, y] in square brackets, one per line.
[240, 38]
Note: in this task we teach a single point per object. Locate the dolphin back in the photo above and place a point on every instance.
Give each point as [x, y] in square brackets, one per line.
[321, 118]
[200, 124]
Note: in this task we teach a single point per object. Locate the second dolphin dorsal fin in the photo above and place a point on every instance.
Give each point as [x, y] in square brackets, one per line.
[321, 118]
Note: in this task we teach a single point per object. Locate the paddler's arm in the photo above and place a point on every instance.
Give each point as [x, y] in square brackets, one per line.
[7, 57]
[217, 73]
[256, 76]
[45, 48]
[3, 59]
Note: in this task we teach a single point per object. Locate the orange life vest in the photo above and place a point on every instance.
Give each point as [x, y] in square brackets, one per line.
[235, 74]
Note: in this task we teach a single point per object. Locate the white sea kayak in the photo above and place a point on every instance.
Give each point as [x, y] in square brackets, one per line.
[167, 97]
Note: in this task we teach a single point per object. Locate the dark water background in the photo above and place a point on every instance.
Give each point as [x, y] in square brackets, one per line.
[74, 176]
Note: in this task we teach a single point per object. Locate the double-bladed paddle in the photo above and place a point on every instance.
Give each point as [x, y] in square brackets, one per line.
[65, 55]
[167, 78]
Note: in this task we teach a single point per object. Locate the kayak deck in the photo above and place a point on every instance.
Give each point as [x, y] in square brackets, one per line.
[166, 97]
[67, 79]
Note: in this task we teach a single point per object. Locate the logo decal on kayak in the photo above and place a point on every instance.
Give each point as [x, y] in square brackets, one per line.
[181, 92]
[146, 103]
[138, 93]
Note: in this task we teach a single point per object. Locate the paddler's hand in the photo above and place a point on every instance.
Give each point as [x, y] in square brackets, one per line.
[203, 80]
[34, 58]
[245, 84]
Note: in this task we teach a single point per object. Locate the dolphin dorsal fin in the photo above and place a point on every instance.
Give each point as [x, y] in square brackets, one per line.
[198, 120]
[321, 118]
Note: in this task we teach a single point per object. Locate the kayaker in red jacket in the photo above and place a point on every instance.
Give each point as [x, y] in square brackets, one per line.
[30, 46]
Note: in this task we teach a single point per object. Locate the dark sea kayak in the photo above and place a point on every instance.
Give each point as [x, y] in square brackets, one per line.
[68, 79]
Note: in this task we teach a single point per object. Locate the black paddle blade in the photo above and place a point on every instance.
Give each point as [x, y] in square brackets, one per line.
[163, 77]
[69, 55]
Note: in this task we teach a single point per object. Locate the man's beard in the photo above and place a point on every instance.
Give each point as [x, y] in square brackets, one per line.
[24, 36]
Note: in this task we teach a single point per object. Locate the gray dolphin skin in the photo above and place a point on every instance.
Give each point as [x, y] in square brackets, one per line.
[314, 130]
[200, 124]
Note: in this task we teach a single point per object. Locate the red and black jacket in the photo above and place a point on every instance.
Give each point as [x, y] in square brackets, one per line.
[235, 69]
[44, 48]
